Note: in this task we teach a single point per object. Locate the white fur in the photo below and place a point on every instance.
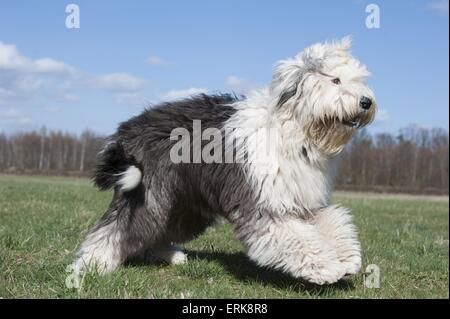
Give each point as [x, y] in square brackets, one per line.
[335, 223]
[100, 251]
[290, 182]
[316, 66]
[303, 236]
[173, 255]
[130, 179]
[297, 248]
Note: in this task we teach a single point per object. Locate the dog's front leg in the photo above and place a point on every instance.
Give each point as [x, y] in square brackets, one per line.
[335, 223]
[292, 245]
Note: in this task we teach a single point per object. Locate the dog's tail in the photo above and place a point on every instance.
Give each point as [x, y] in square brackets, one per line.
[114, 168]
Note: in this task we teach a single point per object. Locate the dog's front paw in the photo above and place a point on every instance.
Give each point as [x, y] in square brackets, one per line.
[335, 224]
[327, 273]
[352, 264]
[349, 254]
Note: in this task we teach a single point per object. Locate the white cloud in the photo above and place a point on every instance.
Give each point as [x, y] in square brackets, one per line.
[24, 78]
[51, 66]
[130, 99]
[11, 116]
[439, 6]
[15, 86]
[156, 60]
[11, 59]
[178, 94]
[119, 82]
[239, 85]
[61, 91]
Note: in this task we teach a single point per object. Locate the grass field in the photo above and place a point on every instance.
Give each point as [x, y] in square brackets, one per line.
[42, 219]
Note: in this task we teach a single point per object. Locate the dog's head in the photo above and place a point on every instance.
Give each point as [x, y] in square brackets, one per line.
[323, 91]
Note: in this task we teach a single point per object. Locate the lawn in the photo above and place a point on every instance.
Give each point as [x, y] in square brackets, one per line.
[42, 220]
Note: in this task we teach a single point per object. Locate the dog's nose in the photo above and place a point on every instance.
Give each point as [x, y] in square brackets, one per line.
[365, 103]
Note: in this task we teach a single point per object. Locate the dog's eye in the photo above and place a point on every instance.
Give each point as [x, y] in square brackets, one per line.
[336, 81]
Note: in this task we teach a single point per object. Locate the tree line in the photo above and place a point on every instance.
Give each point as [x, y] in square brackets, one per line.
[416, 160]
[49, 152]
[413, 161]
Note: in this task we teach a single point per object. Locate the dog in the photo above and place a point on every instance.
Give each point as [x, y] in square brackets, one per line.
[279, 207]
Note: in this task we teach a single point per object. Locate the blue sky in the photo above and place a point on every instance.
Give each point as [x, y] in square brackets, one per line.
[127, 54]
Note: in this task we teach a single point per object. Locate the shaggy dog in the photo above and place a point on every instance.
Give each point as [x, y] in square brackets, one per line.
[278, 202]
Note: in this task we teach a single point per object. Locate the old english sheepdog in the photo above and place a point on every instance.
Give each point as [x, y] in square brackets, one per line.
[279, 207]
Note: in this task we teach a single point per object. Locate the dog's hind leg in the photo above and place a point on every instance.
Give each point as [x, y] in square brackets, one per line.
[292, 245]
[170, 254]
[105, 246]
[335, 223]
[101, 249]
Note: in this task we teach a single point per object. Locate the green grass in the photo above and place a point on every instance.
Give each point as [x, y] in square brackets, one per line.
[42, 220]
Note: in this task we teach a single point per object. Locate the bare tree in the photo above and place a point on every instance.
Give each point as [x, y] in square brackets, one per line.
[83, 151]
[41, 157]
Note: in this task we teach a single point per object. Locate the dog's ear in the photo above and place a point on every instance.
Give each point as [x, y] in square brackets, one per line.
[285, 80]
[287, 94]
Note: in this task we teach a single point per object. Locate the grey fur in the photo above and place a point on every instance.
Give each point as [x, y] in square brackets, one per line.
[176, 202]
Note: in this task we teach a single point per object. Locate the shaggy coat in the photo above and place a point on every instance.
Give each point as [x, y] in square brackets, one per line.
[279, 209]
